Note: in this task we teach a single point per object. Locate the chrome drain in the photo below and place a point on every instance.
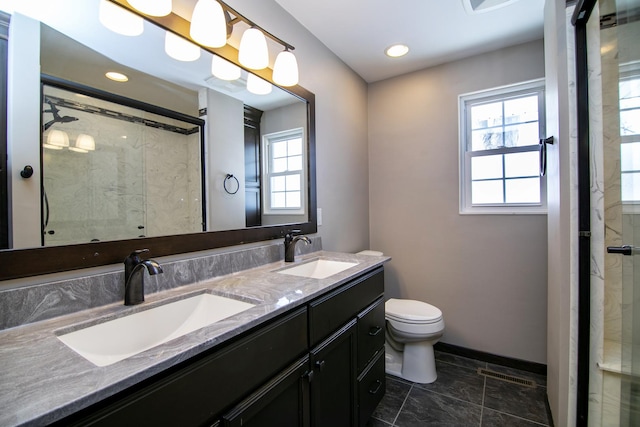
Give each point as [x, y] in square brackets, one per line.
[507, 378]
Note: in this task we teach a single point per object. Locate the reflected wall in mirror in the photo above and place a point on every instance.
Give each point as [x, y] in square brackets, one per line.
[239, 131]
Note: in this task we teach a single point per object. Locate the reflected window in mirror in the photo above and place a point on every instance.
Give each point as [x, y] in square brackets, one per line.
[112, 171]
[285, 172]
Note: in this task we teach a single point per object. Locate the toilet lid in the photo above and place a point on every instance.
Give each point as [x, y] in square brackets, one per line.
[411, 311]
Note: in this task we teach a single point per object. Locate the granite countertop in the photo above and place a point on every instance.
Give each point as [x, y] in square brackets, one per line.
[42, 380]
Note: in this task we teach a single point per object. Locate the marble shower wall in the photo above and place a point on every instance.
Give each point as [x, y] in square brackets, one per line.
[140, 180]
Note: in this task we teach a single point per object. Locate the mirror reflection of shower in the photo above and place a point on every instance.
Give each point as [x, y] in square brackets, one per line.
[112, 171]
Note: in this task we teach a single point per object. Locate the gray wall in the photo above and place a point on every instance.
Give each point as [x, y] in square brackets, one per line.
[341, 127]
[487, 273]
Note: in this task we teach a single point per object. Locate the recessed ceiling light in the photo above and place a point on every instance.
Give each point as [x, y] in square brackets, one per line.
[397, 50]
[117, 77]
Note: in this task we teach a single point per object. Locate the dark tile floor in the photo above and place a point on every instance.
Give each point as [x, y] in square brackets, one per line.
[462, 397]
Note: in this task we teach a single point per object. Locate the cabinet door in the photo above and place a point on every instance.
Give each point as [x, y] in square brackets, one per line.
[283, 401]
[333, 394]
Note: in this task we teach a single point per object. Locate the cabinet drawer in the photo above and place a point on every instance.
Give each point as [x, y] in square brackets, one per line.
[336, 308]
[370, 332]
[371, 389]
[195, 394]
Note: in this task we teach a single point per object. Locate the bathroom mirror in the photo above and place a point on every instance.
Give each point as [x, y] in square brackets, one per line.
[185, 88]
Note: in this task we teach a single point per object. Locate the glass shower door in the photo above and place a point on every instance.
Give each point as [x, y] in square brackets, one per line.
[620, 57]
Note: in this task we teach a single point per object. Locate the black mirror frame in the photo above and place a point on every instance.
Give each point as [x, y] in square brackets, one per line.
[19, 263]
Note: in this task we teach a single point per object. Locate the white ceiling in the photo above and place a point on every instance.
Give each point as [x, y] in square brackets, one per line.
[436, 31]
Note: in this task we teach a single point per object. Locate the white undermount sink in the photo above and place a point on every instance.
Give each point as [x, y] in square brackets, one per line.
[318, 269]
[115, 340]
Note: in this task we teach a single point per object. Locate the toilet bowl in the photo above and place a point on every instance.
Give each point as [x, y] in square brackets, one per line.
[413, 327]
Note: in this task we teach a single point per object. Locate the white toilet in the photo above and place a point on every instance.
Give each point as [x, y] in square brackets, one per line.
[413, 327]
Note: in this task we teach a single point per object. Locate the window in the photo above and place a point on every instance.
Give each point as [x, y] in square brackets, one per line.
[499, 150]
[284, 172]
[630, 136]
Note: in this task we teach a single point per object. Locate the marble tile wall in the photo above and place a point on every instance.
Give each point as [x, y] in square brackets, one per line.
[138, 176]
[54, 297]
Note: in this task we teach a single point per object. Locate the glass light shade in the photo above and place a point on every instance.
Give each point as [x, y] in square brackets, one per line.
[51, 147]
[152, 7]
[258, 86]
[285, 69]
[58, 138]
[223, 69]
[179, 48]
[85, 142]
[120, 20]
[253, 52]
[208, 25]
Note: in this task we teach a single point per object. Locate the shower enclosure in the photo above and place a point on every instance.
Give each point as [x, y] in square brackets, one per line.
[608, 32]
[112, 171]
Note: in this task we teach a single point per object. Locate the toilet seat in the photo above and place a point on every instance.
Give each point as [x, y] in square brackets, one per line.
[412, 312]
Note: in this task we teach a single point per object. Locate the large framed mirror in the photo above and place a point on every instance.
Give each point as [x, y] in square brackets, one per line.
[242, 196]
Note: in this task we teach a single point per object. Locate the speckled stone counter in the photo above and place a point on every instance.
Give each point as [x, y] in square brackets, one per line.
[42, 380]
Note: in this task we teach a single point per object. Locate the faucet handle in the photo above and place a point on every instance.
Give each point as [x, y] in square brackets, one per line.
[135, 254]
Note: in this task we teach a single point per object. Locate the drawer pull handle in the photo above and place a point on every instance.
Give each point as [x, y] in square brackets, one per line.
[378, 384]
[375, 331]
[320, 365]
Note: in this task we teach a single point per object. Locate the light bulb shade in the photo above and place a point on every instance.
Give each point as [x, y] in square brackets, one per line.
[120, 20]
[152, 7]
[285, 69]
[223, 69]
[58, 138]
[258, 86]
[85, 142]
[179, 48]
[208, 25]
[253, 52]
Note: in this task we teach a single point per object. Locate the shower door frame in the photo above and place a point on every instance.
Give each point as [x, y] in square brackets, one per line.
[581, 16]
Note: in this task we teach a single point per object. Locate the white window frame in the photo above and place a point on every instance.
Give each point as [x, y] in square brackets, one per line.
[628, 72]
[267, 139]
[464, 137]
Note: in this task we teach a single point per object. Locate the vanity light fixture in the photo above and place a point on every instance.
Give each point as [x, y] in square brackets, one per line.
[84, 144]
[258, 86]
[212, 22]
[117, 77]
[152, 7]
[57, 140]
[120, 20]
[285, 69]
[223, 69]
[253, 52]
[180, 48]
[397, 50]
[208, 24]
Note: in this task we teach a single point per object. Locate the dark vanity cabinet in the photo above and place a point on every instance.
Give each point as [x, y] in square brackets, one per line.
[319, 365]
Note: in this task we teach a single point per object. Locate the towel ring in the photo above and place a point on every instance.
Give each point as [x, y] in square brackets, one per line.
[227, 178]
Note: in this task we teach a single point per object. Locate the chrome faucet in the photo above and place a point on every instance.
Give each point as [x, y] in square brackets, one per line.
[134, 276]
[290, 245]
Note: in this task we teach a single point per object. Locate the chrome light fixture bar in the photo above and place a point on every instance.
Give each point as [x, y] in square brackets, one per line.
[183, 28]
